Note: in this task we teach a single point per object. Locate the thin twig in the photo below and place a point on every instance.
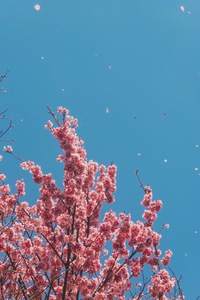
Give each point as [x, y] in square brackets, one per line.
[140, 181]
[53, 115]
[15, 156]
[178, 282]
[4, 76]
[3, 112]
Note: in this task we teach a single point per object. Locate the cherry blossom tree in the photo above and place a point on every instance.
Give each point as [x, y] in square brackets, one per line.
[59, 249]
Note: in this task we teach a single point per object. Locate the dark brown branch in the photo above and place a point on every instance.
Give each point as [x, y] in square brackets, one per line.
[180, 293]
[140, 181]
[4, 76]
[66, 273]
[54, 116]
[3, 89]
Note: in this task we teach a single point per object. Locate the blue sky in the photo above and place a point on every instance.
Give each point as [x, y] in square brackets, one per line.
[60, 55]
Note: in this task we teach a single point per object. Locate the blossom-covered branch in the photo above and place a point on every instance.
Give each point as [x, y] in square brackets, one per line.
[58, 249]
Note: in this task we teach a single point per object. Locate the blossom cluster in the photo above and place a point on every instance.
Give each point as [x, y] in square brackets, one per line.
[59, 249]
[8, 149]
[161, 284]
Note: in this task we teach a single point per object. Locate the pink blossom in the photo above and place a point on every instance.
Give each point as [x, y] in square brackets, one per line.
[166, 226]
[155, 206]
[49, 125]
[5, 189]
[166, 259]
[2, 177]
[75, 122]
[149, 215]
[62, 110]
[161, 283]
[20, 188]
[8, 149]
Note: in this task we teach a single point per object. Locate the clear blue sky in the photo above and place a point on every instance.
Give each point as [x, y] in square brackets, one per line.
[61, 55]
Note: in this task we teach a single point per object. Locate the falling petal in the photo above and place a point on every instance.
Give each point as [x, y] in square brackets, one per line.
[164, 114]
[37, 7]
[107, 110]
[139, 154]
[196, 169]
[109, 67]
[165, 160]
[182, 8]
[42, 57]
